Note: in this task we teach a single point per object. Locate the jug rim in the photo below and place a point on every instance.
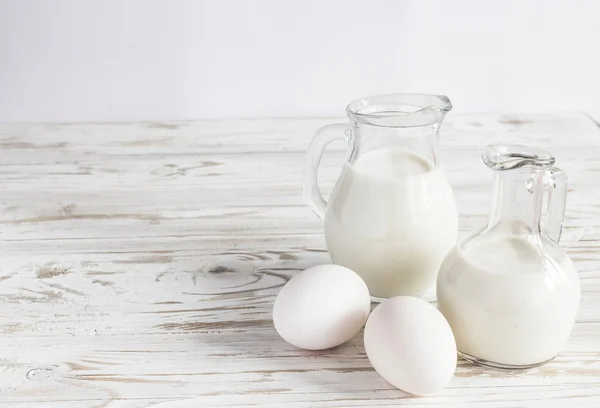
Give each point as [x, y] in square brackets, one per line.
[399, 109]
[500, 157]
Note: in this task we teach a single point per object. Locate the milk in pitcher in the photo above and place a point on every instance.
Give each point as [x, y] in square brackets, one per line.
[391, 216]
[509, 291]
[391, 219]
[502, 302]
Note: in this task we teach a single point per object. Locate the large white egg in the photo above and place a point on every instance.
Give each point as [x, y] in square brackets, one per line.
[411, 345]
[321, 307]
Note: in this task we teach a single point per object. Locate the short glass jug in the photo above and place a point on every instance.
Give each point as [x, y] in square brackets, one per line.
[391, 217]
[509, 291]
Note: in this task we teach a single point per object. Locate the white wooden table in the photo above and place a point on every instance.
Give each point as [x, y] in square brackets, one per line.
[139, 263]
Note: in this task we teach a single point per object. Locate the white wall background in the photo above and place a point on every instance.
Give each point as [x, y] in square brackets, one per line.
[114, 60]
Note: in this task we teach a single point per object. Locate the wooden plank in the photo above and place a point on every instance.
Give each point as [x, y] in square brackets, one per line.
[140, 262]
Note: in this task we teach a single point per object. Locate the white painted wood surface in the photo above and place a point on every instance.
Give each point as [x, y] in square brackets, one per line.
[140, 262]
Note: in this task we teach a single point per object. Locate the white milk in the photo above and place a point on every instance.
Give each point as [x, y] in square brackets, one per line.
[508, 302]
[391, 218]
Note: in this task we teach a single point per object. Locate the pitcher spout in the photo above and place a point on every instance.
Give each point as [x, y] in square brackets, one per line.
[507, 157]
[400, 110]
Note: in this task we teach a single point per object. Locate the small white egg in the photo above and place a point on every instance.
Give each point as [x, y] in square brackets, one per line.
[321, 307]
[411, 345]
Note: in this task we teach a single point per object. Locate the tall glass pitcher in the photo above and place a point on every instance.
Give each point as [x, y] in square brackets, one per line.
[391, 217]
[509, 291]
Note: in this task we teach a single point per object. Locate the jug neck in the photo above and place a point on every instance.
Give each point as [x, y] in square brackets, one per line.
[517, 201]
[422, 141]
[398, 121]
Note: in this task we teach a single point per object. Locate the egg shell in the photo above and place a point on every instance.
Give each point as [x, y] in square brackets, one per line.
[321, 307]
[411, 345]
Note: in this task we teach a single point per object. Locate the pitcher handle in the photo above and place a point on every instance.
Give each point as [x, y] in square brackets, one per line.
[557, 183]
[310, 188]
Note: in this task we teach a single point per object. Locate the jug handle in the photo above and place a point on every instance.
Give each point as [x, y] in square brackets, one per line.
[310, 187]
[557, 185]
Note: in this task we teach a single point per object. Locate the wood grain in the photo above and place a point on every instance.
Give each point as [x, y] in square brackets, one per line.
[140, 262]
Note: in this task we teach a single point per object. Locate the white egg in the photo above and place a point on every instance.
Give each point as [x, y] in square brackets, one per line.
[411, 345]
[321, 307]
